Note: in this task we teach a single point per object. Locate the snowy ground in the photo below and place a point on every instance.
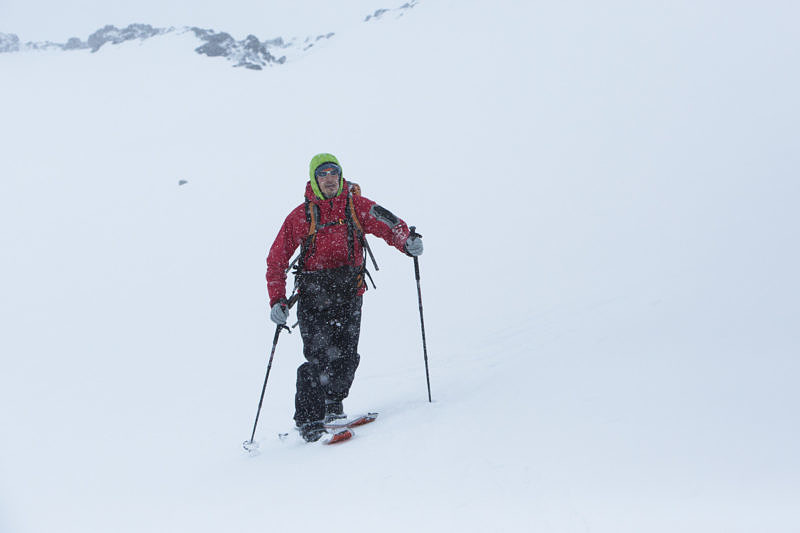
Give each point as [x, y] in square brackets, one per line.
[609, 203]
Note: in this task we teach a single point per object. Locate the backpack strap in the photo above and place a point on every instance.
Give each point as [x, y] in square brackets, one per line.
[358, 232]
[309, 241]
[351, 211]
[356, 190]
[353, 229]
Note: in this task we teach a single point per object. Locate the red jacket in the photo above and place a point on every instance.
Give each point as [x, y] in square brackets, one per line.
[331, 242]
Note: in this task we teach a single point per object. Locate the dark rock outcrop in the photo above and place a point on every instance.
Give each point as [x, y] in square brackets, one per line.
[75, 44]
[116, 35]
[9, 42]
[249, 53]
[399, 11]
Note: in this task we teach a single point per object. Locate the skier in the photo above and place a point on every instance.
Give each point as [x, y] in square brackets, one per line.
[329, 227]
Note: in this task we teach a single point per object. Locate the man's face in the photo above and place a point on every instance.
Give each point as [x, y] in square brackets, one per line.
[328, 180]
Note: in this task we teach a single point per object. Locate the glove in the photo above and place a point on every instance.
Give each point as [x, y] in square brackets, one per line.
[414, 246]
[279, 313]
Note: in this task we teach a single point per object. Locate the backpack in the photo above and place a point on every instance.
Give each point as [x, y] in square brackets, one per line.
[354, 231]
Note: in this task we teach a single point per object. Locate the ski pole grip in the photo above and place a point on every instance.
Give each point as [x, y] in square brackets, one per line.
[414, 233]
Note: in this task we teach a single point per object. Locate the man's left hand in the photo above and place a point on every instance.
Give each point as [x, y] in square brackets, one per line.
[414, 246]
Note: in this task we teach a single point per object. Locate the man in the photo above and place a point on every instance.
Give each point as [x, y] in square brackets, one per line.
[329, 227]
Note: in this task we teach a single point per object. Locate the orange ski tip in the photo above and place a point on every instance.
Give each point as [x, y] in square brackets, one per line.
[339, 436]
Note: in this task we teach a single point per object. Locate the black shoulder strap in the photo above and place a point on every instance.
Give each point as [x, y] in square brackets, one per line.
[309, 242]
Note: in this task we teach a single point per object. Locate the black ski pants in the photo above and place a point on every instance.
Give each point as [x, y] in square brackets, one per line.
[330, 324]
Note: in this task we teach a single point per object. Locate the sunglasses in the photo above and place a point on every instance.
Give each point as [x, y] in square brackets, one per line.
[328, 171]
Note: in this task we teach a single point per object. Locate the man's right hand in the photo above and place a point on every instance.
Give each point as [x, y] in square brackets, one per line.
[280, 312]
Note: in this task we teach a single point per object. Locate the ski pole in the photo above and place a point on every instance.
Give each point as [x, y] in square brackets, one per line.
[369, 251]
[251, 445]
[421, 317]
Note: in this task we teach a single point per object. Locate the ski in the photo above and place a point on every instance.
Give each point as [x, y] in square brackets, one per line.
[349, 424]
[337, 436]
[339, 431]
[332, 435]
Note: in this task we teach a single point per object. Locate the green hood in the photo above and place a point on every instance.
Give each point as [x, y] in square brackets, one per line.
[318, 160]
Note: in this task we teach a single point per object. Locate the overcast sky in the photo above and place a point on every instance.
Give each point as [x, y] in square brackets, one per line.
[38, 20]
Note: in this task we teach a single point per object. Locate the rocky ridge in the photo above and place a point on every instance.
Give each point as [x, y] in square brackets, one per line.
[249, 52]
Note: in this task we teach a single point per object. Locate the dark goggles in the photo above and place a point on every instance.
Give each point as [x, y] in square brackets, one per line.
[327, 170]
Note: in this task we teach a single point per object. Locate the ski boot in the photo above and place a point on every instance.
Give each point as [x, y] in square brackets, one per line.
[311, 431]
[334, 411]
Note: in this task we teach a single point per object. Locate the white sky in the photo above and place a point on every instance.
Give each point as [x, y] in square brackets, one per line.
[38, 20]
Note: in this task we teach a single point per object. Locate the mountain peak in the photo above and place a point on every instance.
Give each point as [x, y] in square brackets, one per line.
[250, 52]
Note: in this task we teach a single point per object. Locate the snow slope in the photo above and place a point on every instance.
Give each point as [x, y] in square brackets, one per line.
[608, 198]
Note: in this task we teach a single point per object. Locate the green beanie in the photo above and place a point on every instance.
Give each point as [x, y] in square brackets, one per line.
[316, 161]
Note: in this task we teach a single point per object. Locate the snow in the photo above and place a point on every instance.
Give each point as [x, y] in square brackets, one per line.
[608, 201]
